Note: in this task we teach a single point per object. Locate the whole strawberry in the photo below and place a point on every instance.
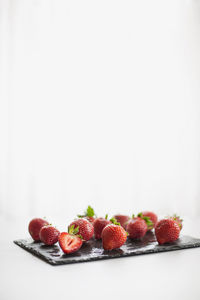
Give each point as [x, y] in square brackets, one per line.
[178, 220]
[99, 224]
[167, 231]
[113, 236]
[136, 228]
[34, 227]
[69, 243]
[89, 214]
[49, 235]
[153, 218]
[122, 219]
[85, 228]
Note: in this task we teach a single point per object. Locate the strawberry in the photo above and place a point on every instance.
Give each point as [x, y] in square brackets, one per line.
[85, 228]
[88, 215]
[49, 235]
[136, 227]
[34, 227]
[167, 230]
[122, 219]
[69, 243]
[113, 236]
[178, 220]
[99, 224]
[153, 218]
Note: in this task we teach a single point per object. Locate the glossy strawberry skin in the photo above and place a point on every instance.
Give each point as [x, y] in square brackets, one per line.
[122, 219]
[136, 228]
[113, 236]
[35, 226]
[90, 219]
[153, 218]
[49, 235]
[178, 220]
[99, 225]
[167, 231]
[86, 229]
[69, 243]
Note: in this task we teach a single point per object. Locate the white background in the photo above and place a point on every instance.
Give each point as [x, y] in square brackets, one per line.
[99, 105]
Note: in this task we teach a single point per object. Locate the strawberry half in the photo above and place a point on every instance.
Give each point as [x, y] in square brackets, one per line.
[99, 224]
[69, 243]
[88, 215]
[85, 228]
[113, 236]
[49, 235]
[35, 226]
[167, 231]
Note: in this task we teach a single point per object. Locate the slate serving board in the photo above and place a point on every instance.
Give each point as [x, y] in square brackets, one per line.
[92, 250]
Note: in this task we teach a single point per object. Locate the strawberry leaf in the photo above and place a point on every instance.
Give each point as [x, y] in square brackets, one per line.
[72, 230]
[146, 219]
[90, 212]
[114, 221]
[80, 216]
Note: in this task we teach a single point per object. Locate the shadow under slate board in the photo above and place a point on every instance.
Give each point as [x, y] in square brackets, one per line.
[92, 250]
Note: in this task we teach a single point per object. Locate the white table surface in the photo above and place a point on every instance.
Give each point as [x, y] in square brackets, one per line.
[170, 275]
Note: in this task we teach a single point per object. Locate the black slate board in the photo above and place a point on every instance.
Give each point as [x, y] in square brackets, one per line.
[92, 250]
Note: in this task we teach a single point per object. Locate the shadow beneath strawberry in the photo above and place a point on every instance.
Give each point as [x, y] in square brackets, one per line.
[114, 252]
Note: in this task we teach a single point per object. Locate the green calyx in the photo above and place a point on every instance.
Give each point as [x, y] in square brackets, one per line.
[177, 218]
[106, 217]
[146, 219]
[88, 213]
[114, 221]
[74, 231]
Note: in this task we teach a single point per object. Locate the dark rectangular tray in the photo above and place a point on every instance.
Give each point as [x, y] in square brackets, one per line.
[92, 250]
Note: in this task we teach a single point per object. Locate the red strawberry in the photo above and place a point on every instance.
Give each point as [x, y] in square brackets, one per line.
[34, 227]
[85, 230]
[167, 230]
[69, 243]
[113, 236]
[136, 228]
[88, 215]
[122, 219]
[178, 220]
[153, 218]
[49, 235]
[99, 225]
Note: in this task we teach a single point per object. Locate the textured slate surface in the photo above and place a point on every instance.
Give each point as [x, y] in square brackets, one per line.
[93, 250]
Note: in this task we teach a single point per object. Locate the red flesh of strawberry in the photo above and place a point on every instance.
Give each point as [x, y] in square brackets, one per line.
[69, 243]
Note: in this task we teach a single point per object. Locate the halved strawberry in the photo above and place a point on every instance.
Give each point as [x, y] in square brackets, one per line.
[69, 243]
